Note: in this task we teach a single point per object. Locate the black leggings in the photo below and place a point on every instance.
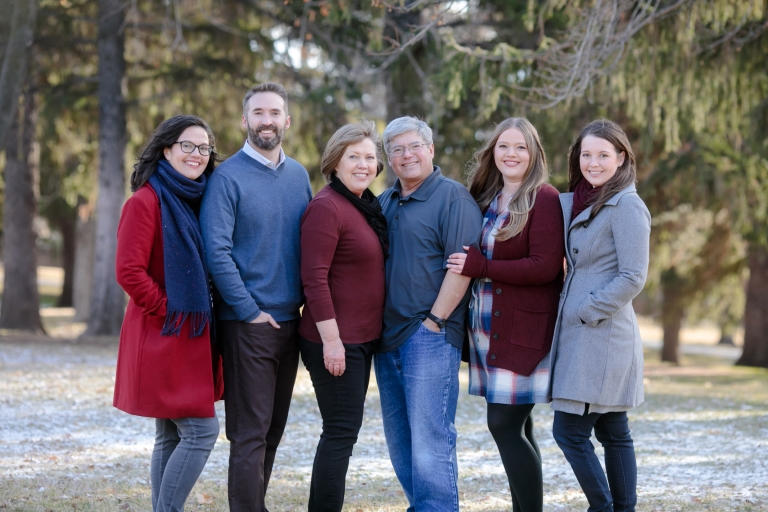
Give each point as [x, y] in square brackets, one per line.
[512, 428]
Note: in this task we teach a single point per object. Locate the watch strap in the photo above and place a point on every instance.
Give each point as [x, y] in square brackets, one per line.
[439, 321]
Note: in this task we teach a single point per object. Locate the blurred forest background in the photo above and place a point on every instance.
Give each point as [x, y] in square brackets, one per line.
[83, 84]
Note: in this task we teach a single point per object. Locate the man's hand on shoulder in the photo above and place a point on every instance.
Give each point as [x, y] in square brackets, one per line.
[263, 318]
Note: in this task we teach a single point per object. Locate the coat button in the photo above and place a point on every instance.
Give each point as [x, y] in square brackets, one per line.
[497, 313]
[498, 291]
[496, 336]
[493, 357]
[576, 250]
[586, 224]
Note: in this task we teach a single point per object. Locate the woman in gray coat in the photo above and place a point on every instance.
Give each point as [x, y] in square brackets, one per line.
[597, 355]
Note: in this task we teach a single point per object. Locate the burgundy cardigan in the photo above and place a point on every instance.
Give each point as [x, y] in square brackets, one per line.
[342, 270]
[527, 276]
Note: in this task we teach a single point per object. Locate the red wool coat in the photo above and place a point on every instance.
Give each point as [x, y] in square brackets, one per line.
[157, 376]
[527, 276]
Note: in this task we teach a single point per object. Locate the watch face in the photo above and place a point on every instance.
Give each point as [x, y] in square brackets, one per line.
[439, 321]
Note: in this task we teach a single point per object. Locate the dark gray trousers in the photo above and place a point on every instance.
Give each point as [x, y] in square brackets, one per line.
[260, 364]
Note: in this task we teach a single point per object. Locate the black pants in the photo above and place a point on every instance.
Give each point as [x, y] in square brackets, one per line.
[341, 401]
[260, 364]
[512, 428]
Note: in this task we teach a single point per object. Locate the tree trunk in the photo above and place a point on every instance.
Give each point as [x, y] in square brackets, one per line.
[21, 303]
[66, 220]
[15, 57]
[85, 241]
[107, 299]
[404, 87]
[673, 311]
[756, 311]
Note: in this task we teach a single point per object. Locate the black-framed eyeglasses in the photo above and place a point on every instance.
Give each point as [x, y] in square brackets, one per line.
[189, 147]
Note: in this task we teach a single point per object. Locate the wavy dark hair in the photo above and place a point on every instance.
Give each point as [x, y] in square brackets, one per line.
[165, 135]
[485, 179]
[625, 175]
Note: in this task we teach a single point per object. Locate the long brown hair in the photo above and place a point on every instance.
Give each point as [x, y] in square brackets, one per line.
[485, 179]
[346, 136]
[625, 175]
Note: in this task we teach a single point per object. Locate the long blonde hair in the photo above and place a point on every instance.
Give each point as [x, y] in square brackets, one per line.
[485, 179]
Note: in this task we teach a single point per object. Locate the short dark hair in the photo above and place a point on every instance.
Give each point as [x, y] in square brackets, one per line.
[164, 137]
[266, 87]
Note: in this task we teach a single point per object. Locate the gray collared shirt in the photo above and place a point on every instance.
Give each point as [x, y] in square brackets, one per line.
[248, 150]
[435, 221]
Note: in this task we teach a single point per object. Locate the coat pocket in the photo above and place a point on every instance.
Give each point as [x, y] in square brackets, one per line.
[529, 328]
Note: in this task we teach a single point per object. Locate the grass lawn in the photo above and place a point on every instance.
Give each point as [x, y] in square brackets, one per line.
[701, 441]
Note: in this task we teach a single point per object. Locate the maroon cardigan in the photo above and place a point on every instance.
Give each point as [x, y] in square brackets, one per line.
[342, 270]
[527, 276]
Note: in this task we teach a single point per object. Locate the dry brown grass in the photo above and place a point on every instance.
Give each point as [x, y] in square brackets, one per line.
[701, 439]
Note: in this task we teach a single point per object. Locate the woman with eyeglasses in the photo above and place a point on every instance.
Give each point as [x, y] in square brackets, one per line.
[167, 366]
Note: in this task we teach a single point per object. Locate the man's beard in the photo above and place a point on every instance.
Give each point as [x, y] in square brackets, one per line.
[266, 144]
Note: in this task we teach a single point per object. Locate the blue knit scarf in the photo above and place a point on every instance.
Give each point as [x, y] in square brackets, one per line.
[186, 275]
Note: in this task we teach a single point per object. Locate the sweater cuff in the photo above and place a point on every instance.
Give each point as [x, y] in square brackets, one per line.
[322, 311]
[474, 266]
[247, 314]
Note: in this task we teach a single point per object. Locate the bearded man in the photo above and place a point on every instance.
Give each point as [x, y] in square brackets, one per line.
[250, 218]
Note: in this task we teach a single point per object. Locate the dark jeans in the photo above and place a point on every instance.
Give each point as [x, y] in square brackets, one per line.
[260, 364]
[617, 493]
[341, 401]
[512, 428]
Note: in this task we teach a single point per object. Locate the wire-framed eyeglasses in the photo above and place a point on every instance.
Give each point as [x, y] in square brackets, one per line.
[414, 148]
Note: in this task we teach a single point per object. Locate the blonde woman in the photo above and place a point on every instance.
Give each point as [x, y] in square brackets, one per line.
[519, 276]
[343, 248]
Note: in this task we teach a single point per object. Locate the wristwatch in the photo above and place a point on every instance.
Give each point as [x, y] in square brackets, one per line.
[439, 321]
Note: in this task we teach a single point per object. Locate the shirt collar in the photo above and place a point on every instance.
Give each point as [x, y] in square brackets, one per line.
[425, 189]
[248, 149]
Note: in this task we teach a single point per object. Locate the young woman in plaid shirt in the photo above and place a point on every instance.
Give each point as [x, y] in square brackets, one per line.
[519, 276]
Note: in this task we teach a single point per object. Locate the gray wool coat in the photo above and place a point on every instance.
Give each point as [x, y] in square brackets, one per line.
[597, 354]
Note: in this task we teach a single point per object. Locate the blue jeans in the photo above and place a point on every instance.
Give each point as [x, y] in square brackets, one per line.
[617, 493]
[181, 450]
[419, 387]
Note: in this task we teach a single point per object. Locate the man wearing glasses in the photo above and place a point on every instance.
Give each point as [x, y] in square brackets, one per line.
[250, 220]
[429, 217]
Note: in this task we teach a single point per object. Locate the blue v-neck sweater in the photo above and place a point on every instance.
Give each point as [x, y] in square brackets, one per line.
[250, 219]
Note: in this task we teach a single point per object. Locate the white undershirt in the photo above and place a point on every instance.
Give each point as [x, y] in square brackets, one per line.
[248, 149]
